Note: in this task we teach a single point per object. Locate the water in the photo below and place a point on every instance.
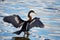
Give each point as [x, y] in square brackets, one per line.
[47, 10]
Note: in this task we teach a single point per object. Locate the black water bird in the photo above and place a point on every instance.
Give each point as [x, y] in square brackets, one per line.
[16, 21]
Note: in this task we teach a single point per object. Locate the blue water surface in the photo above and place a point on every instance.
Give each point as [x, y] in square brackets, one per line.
[47, 10]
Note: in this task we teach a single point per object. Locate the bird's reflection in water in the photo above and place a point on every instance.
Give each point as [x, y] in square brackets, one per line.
[20, 38]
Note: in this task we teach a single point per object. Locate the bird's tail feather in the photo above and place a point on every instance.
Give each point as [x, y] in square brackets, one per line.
[17, 32]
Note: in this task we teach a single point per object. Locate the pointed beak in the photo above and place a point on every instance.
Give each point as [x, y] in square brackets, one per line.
[35, 13]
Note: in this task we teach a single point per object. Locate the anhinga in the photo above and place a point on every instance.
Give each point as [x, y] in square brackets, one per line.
[16, 21]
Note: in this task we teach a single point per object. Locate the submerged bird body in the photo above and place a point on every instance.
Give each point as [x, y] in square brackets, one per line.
[16, 21]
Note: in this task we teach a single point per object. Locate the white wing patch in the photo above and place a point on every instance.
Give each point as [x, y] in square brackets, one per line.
[16, 19]
[32, 22]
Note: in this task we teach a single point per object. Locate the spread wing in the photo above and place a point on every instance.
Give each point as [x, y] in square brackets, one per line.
[15, 20]
[35, 23]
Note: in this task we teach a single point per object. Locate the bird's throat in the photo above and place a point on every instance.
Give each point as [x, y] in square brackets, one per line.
[30, 18]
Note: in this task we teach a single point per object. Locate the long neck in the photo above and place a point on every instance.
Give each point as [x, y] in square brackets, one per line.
[30, 18]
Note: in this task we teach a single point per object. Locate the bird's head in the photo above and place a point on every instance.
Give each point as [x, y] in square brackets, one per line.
[31, 11]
